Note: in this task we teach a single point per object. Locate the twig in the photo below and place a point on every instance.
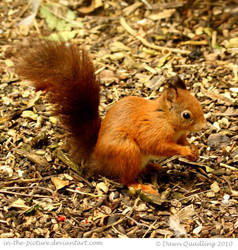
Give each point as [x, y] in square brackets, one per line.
[136, 222]
[214, 39]
[186, 65]
[36, 27]
[130, 9]
[191, 162]
[150, 227]
[3, 221]
[19, 181]
[147, 4]
[80, 192]
[117, 231]
[34, 187]
[164, 162]
[171, 5]
[233, 192]
[116, 222]
[26, 195]
[227, 166]
[196, 194]
[146, 43]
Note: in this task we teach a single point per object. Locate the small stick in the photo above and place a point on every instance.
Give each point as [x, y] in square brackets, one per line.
[19, 181]
[80, 192]
[146, 43]
[26, 195]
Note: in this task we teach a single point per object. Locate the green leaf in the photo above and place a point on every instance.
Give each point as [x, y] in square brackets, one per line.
[67, 35]
[70, 15]
[62, 26]
[50, 18]
[62, 36]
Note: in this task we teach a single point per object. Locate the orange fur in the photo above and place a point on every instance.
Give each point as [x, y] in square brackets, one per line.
[67, 73]
[134, 129]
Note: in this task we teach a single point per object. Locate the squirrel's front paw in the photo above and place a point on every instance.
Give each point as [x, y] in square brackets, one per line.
[192, 153]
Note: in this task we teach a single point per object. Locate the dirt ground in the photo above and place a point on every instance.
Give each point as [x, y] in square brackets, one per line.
[136, 46]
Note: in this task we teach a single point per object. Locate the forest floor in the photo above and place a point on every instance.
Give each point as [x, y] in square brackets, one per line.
[135, 46]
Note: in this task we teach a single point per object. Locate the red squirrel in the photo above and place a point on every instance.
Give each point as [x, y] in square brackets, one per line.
[134, 129]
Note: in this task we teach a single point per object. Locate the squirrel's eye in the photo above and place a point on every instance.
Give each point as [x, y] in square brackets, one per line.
[186, 114]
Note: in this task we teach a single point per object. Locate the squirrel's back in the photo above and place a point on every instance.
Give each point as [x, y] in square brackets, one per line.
[67, 73]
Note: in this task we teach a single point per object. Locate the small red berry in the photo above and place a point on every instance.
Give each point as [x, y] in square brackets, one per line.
[61, 218]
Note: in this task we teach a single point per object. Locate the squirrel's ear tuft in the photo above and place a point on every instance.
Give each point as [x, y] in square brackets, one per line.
[170, 96]
[176, 82]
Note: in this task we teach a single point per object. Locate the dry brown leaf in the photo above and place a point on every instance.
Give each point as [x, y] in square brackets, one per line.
[19, 203]
[197, 229]
[215, 187]
[161, 14]
[33, 157]
[118, 47]
[108, 77]
[102, 187]
[128, 10]
[29, 114]
[186, 212]
[59, 183]
[232, 43]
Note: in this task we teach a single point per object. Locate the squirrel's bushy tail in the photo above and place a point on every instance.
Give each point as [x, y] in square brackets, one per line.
[67, 74]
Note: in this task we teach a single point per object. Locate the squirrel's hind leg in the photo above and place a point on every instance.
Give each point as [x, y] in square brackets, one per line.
[121, 159]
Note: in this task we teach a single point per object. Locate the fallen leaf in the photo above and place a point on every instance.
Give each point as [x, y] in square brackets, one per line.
[215, 187]
[29, 114]
[65, 35]
[209, 170]
[210, 194]
[59, 183]
[107, 77]
[33, 157]
[197, 229]
[118, 47]
[53, 119]
[117, 56]
[101, 186]
[161, 14]
[19, 203]
[131, 8]
[186, 212]
[6, 170]
[232, 43]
